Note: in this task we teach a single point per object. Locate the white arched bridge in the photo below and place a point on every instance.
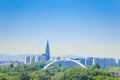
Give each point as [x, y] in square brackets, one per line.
[80, 64]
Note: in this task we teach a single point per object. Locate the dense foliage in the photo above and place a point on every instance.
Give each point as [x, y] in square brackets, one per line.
[34, 72]
[114, 69]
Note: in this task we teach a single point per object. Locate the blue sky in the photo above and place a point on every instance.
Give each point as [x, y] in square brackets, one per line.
[79, 27]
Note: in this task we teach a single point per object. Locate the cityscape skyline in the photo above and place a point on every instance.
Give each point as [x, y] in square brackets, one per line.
[82, 28]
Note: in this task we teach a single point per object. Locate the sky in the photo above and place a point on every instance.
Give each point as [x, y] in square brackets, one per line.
[73, 27]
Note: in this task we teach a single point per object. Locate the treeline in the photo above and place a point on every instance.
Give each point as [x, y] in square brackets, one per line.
[35, 71]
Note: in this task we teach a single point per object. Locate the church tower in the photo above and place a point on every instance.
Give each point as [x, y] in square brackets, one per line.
[47, 52]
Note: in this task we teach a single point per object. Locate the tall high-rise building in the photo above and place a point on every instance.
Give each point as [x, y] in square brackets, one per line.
[47, 52]
[89, 61]
[32, 59]
[27, 61]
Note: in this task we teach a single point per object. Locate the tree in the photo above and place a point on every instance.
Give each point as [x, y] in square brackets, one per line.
[3, 77]
[11, 66]
[96, 66]
[76, 74]
[58, 76]
[40, 75]
[24, 76]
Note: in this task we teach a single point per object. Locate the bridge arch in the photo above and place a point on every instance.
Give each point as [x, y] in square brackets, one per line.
[80, 64]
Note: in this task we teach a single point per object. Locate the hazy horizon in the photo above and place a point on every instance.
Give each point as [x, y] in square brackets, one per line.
[79, 27]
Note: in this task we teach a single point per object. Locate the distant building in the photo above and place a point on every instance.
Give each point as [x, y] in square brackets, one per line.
[40, 58]
[14, 63]
[89, 61]
[47, 52]
[119, 62]
[103, 62]
[117, 73]
[106, 62]
[32, 59]
[27, 61]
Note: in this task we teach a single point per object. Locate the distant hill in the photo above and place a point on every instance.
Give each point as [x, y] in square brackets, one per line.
[67, 56]
[5, 57]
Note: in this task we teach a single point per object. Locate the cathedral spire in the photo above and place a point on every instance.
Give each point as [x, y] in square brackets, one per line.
[47, 51]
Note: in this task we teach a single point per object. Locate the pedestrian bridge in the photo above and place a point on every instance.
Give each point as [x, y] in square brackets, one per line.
[80, 64]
